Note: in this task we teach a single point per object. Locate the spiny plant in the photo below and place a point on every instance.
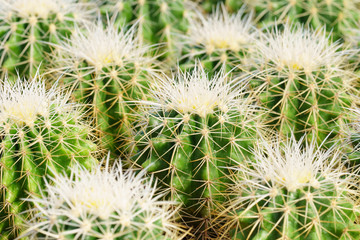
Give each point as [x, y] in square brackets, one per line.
[107, 68]
[218, 39]
[305, 82]
[159, 20]
[193, 129]
[38, 130]
[29, 28]
[292, 192]
[337, 15]
[102, 204]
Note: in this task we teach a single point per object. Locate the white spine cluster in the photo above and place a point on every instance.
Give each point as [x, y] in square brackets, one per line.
[104, 204]
[221, 31]
[300, 49]
[23, 101]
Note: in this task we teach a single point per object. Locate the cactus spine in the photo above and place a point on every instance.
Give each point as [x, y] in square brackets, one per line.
[305, 83]
[107, 69]
[39, 130]
[102, 204]
[219, 39]
[193, 129]
[29, 28]
[159, 20]
[291, 192]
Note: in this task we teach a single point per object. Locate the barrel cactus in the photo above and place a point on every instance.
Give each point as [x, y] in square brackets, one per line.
[305, 82]
[219, 39]
[29, 28]
[39, 130]
[107, 68]
[102, 204]
[159, 20]
[291, 192]
[195, 127]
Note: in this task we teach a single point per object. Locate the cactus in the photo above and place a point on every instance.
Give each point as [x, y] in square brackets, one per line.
[291, 192]
[219, 39]
[338, 16]
[102, 204]
[159, 20]
[29, 28]
[305, 83]
[39, 130]
[107, 68]
[189, 133]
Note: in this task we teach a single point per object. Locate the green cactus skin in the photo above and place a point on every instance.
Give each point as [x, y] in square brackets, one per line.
[305, 84]
[35, 145]
[338, 15]
[276, 198]
[219, 40]
[104, 204]
[159, 21]
[28, 30]
[108, 70]
[187, 141]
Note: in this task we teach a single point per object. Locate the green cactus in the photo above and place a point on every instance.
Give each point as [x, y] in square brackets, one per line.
[338, 15]
[102, 204]
[219, 39]
[29, 28]
[39, 130]
[305, 82]
[187, 136]
[107, 68]
[159, 20]
[291, 192]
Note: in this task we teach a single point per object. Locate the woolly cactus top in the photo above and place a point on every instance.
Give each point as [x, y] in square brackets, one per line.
[291, 166]
[300, 49]
[221, 30]
[194, 93]
[114, 201]
[102, 47]
[22, 102]
[43, 8]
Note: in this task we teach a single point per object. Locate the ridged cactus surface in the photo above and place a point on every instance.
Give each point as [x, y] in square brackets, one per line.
[41, 134]
[102, 204]
[291, 192]
[29, 28]
[159, 20]
[219, 39]
[108, 69]
[195, 127]
[303, 79]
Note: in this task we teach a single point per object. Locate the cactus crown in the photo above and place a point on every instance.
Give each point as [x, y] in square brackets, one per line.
[105, 47]
[194, 93]
[43, 8]
[105, 204]
[221, 31]
[298, 49]
[22, 102]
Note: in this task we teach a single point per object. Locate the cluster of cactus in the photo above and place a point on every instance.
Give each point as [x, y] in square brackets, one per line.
[291, 192]
[41, 134]
[30, 28]
[305, 83]
[102, 204]
[158, 20]
[107, 69]
[195, 128]
[253, 136]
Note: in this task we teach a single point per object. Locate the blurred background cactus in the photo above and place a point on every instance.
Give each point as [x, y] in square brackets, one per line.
[29, 28]
[39, 131]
